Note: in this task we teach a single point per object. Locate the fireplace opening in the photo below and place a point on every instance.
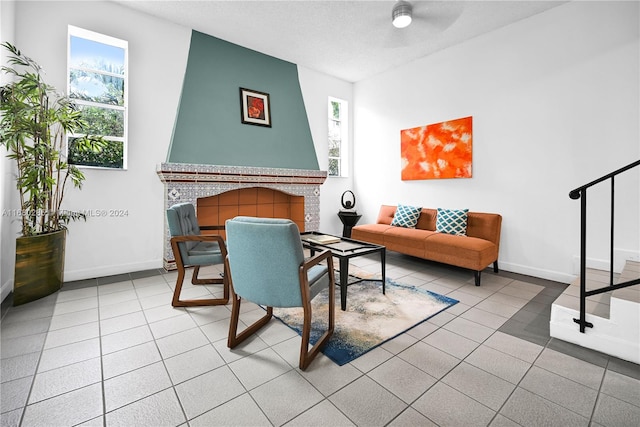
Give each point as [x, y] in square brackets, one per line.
[253, 201]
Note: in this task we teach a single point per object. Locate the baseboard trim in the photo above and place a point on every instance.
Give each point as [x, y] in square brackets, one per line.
[6, 289]
[556, 276]
[110, 270]
[620, 257]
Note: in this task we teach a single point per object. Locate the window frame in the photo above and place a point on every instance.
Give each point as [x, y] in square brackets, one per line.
[343, 170]
[78, 32]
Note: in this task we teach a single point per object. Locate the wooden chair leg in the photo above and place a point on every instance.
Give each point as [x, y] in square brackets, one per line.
[306, 355]
[234, 338]
[233, 322]
[176, 292]
[177, 302]
[197, 281]
[225, 285]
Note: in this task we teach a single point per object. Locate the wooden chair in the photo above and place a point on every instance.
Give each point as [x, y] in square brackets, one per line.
[266, 265]
[192, 249]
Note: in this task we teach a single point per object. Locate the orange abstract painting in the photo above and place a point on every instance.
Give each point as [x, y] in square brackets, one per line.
[440, 150]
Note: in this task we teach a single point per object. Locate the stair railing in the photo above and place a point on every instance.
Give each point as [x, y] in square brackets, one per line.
[581, 193]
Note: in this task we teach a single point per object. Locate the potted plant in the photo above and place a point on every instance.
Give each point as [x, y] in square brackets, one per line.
[35, 119]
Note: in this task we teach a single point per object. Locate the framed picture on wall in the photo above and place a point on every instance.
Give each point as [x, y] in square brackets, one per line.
[255, 108]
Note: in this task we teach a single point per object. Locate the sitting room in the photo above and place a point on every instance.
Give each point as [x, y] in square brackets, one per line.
[437, 154]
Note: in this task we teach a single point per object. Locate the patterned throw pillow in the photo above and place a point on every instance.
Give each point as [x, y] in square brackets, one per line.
[406, 216]
[452, 221]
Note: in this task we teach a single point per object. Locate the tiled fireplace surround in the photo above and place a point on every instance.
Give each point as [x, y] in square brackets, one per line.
[187, 183]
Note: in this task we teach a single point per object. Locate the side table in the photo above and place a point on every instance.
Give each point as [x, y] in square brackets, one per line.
[349, 219]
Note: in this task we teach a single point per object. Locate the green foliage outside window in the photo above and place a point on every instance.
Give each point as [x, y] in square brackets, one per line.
[108, 156]
[334, 148]
[103, 121]
[336, 109]
[334, 167]
[335, 138]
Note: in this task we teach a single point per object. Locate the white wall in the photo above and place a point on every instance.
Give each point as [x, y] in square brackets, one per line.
[8, 227]
[157, 60]
[316, 89]
[555, 104]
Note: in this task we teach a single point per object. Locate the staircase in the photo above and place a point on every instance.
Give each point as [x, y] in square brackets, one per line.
[615, 315]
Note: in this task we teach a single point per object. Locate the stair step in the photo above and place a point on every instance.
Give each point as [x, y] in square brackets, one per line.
[615, 315]
[632, 268]
[597, 305]
[632, 293]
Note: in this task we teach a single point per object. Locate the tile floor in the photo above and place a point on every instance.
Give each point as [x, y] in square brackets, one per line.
[112, 351]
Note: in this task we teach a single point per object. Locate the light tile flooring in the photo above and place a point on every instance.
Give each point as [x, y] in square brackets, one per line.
[112, 351]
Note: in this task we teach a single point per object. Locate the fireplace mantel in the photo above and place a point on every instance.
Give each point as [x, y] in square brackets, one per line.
[186, 183]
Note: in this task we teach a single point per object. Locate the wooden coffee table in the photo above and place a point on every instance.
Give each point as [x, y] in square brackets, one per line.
[344, 249]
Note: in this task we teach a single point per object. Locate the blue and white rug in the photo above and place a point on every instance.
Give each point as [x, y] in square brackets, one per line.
[371, 318]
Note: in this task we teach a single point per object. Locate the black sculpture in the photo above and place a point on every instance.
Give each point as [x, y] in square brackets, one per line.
[348, 216]
[348, 204]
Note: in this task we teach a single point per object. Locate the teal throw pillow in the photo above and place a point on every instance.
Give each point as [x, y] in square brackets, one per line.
[452, 221]
[406, 216]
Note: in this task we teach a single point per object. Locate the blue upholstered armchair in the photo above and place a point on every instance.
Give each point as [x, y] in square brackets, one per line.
[266, 265]
[192, 249]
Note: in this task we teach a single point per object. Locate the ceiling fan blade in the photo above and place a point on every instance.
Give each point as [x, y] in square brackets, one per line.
[429, 19]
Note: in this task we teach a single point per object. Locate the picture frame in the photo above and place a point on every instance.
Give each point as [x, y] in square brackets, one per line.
[255, 108]
[438, 151]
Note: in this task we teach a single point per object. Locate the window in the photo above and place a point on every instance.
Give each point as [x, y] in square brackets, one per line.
[97, 69]
[337, 136]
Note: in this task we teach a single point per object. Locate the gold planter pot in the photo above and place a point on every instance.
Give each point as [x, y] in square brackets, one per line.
[39, 266]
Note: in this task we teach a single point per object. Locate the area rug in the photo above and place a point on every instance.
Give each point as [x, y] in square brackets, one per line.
[371, 318]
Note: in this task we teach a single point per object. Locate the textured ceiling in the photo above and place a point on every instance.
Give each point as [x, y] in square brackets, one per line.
[351, 40]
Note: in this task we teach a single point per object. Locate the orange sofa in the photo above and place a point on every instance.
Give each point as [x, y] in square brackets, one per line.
[476, 251]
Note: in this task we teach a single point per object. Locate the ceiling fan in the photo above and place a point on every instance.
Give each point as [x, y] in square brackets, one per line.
[416, 21]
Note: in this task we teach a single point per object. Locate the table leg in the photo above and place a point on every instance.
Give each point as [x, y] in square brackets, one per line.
[383, 254]
[344, 280]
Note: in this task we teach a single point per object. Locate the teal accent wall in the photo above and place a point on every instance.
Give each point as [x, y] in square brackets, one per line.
[208, 128]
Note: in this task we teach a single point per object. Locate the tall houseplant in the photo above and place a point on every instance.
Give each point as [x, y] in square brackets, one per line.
[35, 120]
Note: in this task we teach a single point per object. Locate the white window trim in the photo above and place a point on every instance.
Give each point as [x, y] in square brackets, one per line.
[123, 44]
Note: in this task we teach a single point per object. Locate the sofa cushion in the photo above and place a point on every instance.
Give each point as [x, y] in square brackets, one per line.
[406, 216]
[484, 226]
[385, 216]
[452, 221]
[399, 237]
[463, 251]
[427, 220]
[372, 233]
